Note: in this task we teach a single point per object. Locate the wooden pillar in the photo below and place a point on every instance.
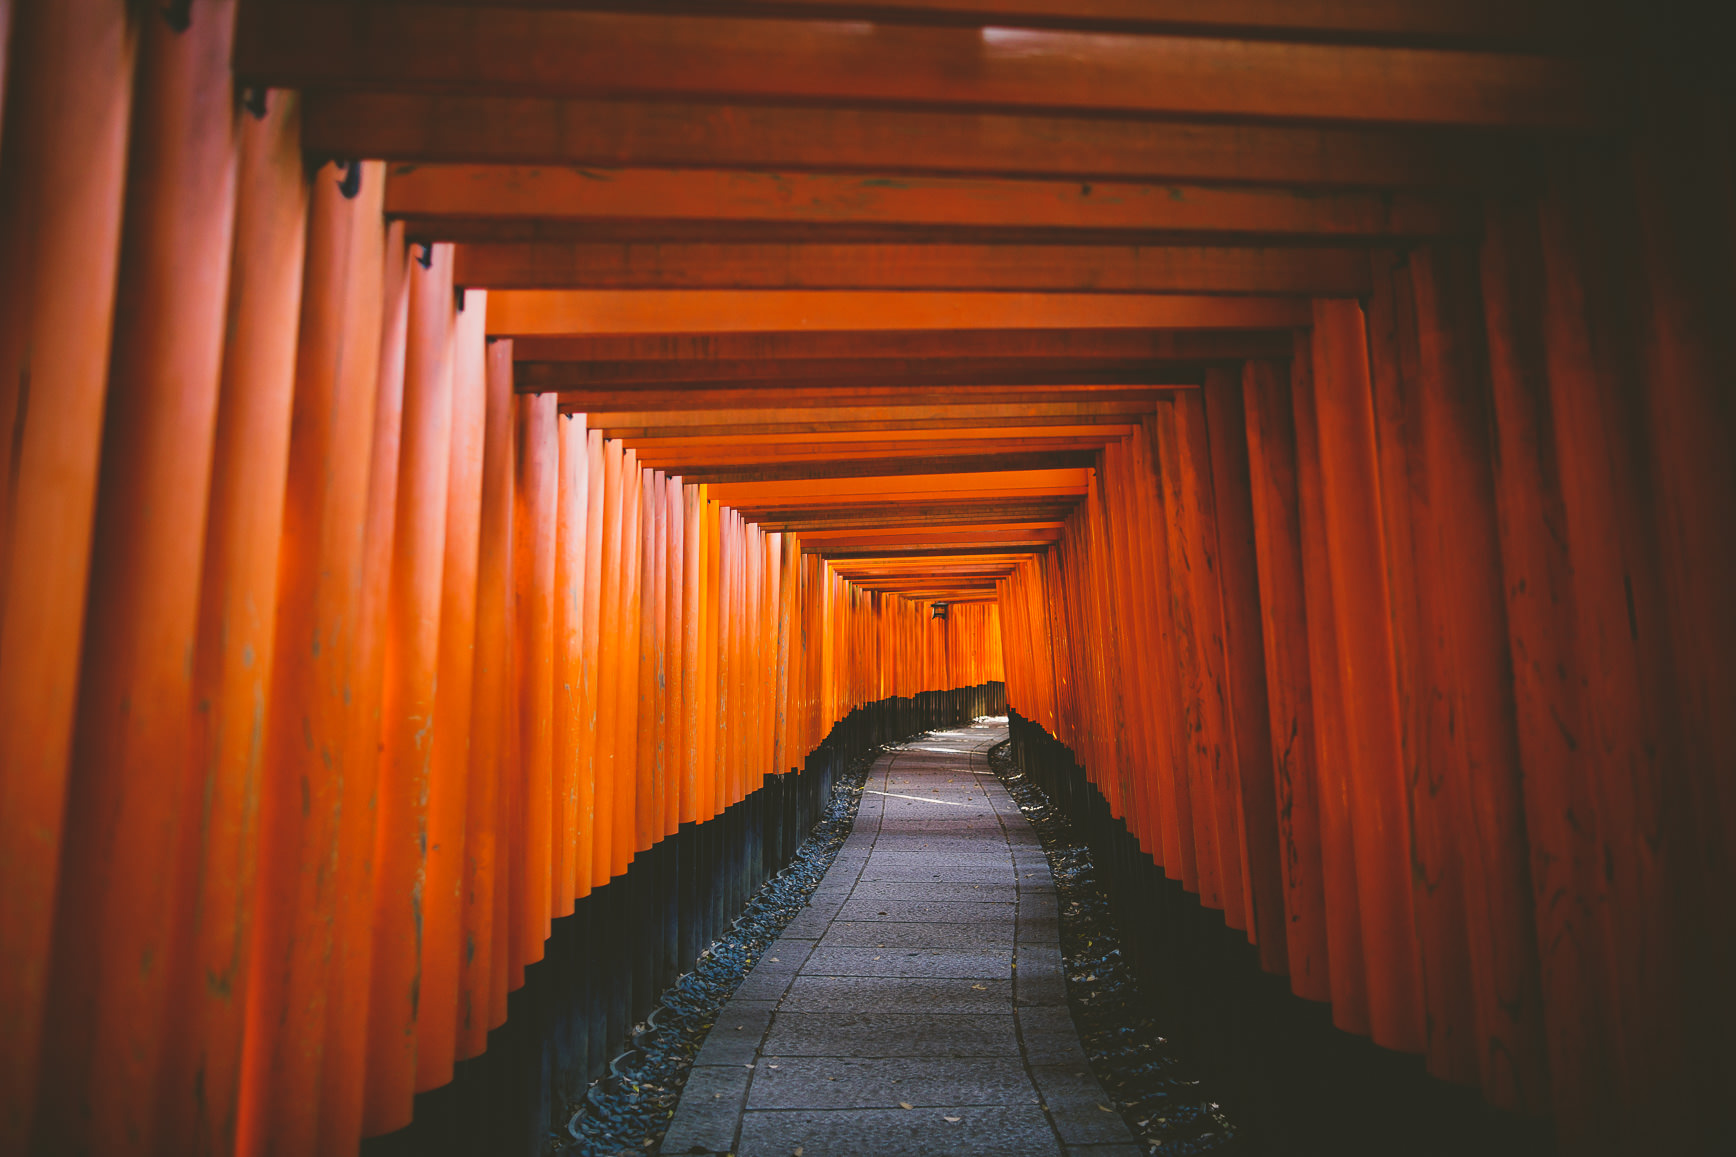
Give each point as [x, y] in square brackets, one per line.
[1331, 745]
[1201, 807]
[62, 175]
[1351, 502]
[533, 523]
[608, 664]
[648, 801]
[125, 864]
[1682, 171]
[1271, 458]
[449, 766]
[585, 851]
[1245, 665]
[1423, 683]
[343, 1078]
[311, 760]
[491, 689]
[1473, 715]
[692, 635]
[571, 776]
[408, 701]
[626, 677]
[238, 593]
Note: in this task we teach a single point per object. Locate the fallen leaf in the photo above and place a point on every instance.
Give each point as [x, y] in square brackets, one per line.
[771, 1066]
[980, 987]
[796, 1152]
[954, 1120]
[1106, 1108]
[905, 1105]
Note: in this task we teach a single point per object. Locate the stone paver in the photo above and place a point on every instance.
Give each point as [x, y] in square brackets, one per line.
[917, 1006]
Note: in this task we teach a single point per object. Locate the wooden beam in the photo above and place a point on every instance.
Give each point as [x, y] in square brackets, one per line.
[872, 515]
[643, 428]
[620, 133]
[816, 373]
[872, 470]
[1011, 484]
[429, 197]
[830, 442]
[1512, 23]
[638, 425]
[545, 312]
[569, 53]
[1308, 270]
[1070, 342]
[713, 401]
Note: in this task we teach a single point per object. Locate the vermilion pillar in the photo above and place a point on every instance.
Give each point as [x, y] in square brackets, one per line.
[1245, 664]
[122, 888]
[449, 767]
[62, 172]
[408, 719]
[238, 596]
[533, 637]
[346, 1040]
[585, 852]
[572, 781]
[490, 698]
[310, 758]
[1271, 434]
[1331, 745]
[1463, 582]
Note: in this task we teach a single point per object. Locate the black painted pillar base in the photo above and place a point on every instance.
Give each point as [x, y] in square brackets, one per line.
[605, 966]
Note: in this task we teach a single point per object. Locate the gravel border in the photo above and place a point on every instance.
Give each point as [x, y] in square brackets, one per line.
[628, 1109]
[1156, 1089]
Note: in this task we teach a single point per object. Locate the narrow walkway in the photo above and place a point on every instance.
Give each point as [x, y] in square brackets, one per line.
[917, 1007]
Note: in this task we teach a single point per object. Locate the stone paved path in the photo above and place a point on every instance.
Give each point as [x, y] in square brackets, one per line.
[917, 1006]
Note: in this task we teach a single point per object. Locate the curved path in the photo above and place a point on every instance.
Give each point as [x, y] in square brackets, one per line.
[917, 1007]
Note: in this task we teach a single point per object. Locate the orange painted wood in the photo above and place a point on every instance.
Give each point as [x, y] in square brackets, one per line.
[561, 312]
[441, 201]
[1195, 761]
[1351, 513]
[1338, 867]
[62, 177]
[1455, 411]
[590, 674]
[343, 1064]
[1272, 474]
[1204, 576]
[1245, 666]
[895, 265]
[608, 667]
[326, 508]
[677, 790]
[238, 597]
[1622, 630]
[1434, 794]
[123, 879]
[577, 53]
[418, 126]
[534, 522]
[568, 737]
[449, 768]
[485, 856]
[693, 795]
[626, 685]
[648, 802]
[408, 721]
[1680, 182]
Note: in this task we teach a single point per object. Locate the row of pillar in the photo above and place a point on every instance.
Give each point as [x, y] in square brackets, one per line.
[1411, 655]
[331, 670]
